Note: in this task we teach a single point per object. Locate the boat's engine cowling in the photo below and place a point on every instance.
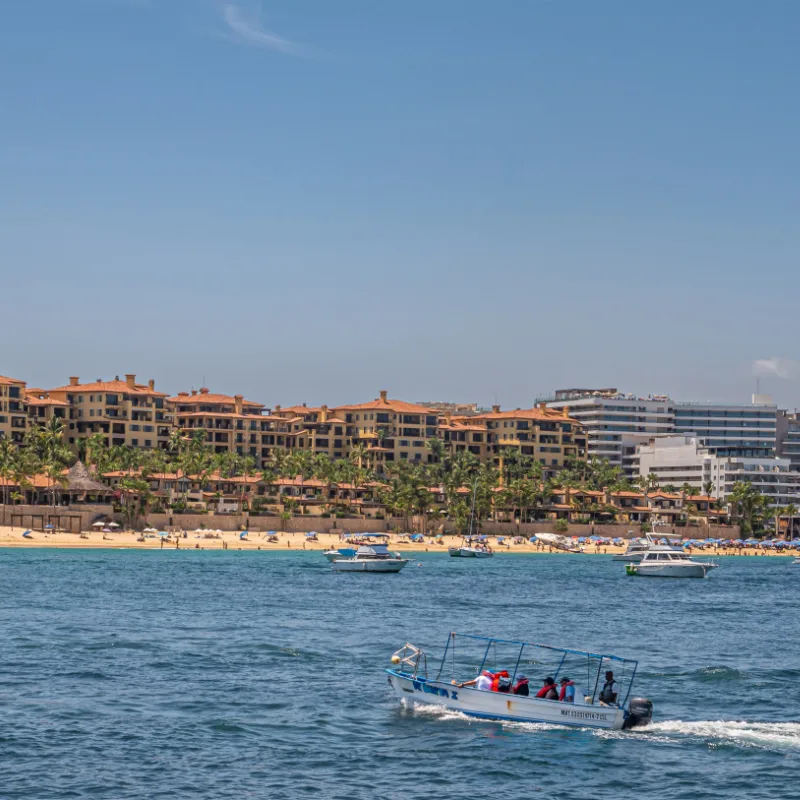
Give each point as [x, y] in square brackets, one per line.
[640, 712]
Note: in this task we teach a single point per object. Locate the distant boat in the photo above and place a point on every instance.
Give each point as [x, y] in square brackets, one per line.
[371, 558]
[557, 541]
[638, 547]
[355, 542]
[660, 561]
[471, 549]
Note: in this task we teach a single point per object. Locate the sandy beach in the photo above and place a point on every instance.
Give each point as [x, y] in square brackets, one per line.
[12, 537]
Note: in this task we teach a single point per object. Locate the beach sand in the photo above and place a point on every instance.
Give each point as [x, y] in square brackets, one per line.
[12, 537]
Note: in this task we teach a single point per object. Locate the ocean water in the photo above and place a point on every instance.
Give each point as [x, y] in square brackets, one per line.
[231, 674]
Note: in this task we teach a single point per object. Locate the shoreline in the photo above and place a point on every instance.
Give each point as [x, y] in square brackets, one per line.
[193, 540]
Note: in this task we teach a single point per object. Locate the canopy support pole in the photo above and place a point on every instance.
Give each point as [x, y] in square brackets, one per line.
[516, 667]
[558, 669]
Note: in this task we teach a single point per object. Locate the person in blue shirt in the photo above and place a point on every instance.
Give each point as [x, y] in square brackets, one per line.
[567, 693]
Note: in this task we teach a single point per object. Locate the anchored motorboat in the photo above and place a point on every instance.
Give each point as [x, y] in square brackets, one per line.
[638, 547]
[453, 684]
[371, 558]
[352, 544]
[660, 561]
[471, 548]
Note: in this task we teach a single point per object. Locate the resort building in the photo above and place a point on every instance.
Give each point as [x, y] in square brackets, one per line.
[550, 437]
[391, 430]
[741, 431]
[615, 423]
[684, 459]
[41, 408]
[318, 430]
[231, 423]
[13, 412]
[122, 412]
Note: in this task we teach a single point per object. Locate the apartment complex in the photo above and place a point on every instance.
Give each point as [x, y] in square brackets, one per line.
[684, 459]
[12, 409]
[123, 412]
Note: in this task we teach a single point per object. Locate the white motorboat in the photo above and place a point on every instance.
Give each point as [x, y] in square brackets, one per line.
[796, 560]
[456, 690]
[471, 549]
[371, 558]
[638, 547]
[352, 543]
[661, 561]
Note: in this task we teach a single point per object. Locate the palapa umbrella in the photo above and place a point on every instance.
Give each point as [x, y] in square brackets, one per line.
[98, 524]
[113, 525]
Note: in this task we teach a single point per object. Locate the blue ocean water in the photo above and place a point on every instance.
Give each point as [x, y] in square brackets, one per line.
[232, 674]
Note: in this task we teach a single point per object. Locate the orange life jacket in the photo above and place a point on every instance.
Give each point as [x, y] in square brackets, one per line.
[563, 691]
[496, 679]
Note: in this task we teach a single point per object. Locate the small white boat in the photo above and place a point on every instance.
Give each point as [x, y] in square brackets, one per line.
[638, 547]
[796, 560]
[471, 549]
[370, 558]
[456, 690]
[661, 562]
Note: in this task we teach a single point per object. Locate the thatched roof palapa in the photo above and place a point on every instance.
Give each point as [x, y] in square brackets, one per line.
[79, 480]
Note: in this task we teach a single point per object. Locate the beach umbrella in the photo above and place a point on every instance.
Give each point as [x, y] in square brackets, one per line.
[581, 539]
[533, 539]
[49, 527]
[617, 540]
[501, 538]
[98, 524]
[113, 525]
[162, 533]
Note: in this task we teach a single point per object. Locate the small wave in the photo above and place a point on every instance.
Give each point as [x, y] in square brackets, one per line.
[718, 673]
[746, 734]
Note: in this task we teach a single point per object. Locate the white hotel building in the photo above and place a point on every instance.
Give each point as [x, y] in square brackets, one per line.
[683, 459]
[616, 423]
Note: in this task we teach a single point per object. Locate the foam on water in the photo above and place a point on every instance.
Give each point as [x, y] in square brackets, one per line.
[746, 734]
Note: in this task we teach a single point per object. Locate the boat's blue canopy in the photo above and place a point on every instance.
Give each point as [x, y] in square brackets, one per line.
[601, 656]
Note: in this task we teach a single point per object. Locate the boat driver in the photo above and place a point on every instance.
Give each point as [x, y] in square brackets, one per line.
[610, 690]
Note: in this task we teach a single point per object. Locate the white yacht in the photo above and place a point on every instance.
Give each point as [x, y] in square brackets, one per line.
[370, 558]
[661, 561]
[638, 547]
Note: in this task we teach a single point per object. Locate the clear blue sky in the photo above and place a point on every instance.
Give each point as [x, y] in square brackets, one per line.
[313, 200]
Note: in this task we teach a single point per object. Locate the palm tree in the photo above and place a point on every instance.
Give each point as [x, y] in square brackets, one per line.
[747, 505]
[791, 512]
[359, 454]
[9, 460]
[708, 488]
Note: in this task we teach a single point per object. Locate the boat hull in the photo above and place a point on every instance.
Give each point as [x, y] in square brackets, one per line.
[669, 570]
[497, 705]
[377, 565]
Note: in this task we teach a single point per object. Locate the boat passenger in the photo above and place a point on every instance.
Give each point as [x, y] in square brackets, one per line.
[610, 690]
[521, 686]
[504, 683]
[548, 690]
[482, 683]
[496, 678]
[567, 693]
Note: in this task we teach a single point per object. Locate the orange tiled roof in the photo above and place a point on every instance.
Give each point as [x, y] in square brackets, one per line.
[211, 399]
[6, 381]
[32, 400]
[379, 404]
[115, 386]
[224, 415]
[549, 415]
[701, 498]
[666, 496]
[627, 494]
[301, 409]
[33, 481]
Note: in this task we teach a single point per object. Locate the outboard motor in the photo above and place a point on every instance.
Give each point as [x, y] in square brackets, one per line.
[640, 712]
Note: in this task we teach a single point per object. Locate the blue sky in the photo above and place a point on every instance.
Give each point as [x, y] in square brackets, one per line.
[314, 200]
